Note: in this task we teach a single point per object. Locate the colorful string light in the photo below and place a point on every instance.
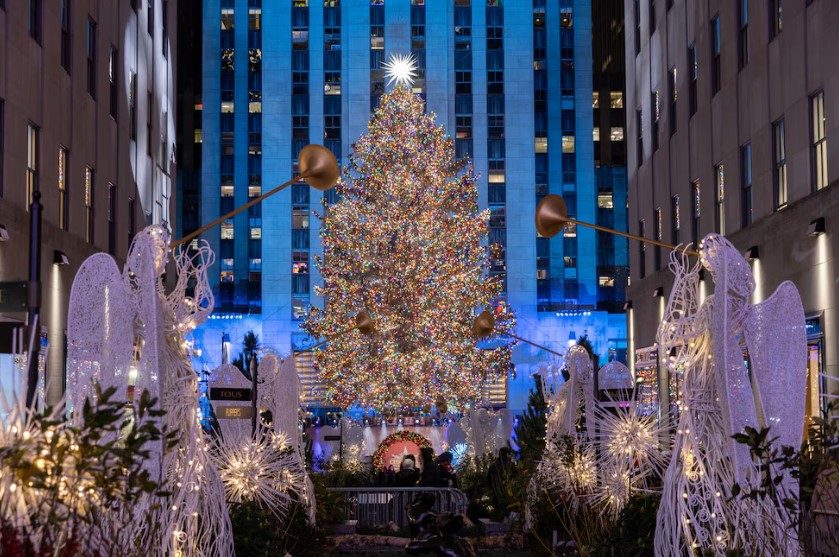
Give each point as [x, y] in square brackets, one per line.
[406, 243]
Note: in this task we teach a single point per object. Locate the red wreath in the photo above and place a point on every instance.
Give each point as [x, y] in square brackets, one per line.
[401, 435]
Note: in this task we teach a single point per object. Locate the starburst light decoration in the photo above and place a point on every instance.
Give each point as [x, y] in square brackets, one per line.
[598, 453]
[630, 440]
[400, 68]
[262, 469]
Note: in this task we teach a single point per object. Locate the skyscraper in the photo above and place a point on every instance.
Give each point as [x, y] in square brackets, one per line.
[86, 119]
[512, 83]
[731, 115]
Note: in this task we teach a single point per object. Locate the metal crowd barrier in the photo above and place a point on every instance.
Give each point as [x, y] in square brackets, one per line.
[375, 506]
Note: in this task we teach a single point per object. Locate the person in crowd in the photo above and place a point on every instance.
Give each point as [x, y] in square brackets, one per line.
[448, 477]
[408, 474]
[500, 472]
[430, 476]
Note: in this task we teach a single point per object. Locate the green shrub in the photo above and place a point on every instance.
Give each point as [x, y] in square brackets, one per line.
[633, 534]
[83, 481]
[259, 533]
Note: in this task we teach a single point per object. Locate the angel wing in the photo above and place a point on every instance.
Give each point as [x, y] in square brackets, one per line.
[776, 337]
[99, 331]
[286, 411]
[141, 274]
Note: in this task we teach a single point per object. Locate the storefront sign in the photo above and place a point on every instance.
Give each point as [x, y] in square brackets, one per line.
[229, 393]
[235, 412]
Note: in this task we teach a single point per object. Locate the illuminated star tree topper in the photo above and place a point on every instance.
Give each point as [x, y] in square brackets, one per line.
[408, 244]
[401, 68]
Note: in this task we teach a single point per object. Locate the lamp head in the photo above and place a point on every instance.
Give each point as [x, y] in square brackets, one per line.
[318, 167]
[551, 215]
[816, 227]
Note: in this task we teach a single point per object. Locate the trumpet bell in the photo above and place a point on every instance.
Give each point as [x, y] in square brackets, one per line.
[364, 323]
[318, 167]
[551, 215]
[483, 325]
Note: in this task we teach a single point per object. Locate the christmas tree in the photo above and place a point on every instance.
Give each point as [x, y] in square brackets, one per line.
[406, 243]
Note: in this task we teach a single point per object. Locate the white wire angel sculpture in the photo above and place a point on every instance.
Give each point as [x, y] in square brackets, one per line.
[721, 396]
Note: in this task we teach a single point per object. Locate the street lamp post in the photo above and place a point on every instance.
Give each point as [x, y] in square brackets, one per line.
[34, 298]
[254, 396]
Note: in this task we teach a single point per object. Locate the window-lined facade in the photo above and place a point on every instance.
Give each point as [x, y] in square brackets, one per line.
[675, 219]
[63, 172]
[91, 58]
[35, 15]
[776, 18]
[66, 45]
[251, 292]
[642, 248]
[328, 67]
[693, 78]
[496, 145]
[545, 282]
[300, 237]
[719, 198]
[637, 5]
[818, 145]
[377, 53]
[332, 103]
[779, 165]
[651, 13]
[655, 116]
[673, 95]
[463, 89]
[2, 141]
[65, 83]
[89, 222]
[149, 111]
[639, 138]
[609, 121]
[418, 44]
[113, 81]
[659, 235]
[32, 162]
[696, 213]
[132, 219]
[743, 33]
[227, 274]
[746, 197]
[112, 218]
[776, 202]
[132, 106]
[716, 52]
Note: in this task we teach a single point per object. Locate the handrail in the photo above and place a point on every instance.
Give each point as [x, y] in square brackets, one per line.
[381, 506]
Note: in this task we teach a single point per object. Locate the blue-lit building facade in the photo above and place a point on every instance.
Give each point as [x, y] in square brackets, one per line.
[512, 82]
